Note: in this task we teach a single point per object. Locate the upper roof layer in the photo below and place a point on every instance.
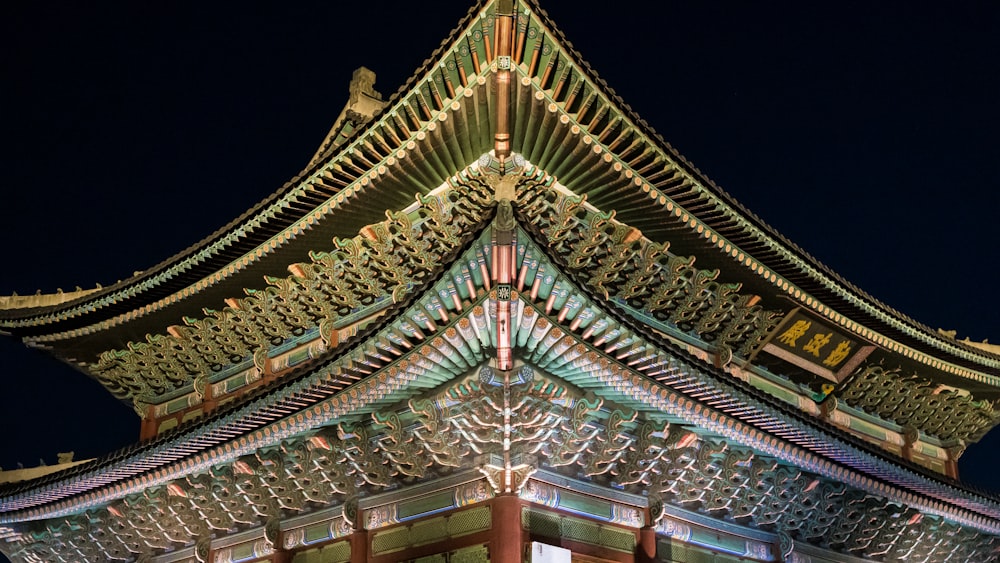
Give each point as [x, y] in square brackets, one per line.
[561, 93]
[566, 122]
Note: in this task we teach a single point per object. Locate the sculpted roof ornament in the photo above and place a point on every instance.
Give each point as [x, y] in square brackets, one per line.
[505, 216]
[40, 299]
[363, 103]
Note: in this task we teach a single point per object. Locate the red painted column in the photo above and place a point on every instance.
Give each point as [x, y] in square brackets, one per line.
[646, 550]
[359, 546]
[507, 545]
[208, 402]
[951, 465]
[147, 428]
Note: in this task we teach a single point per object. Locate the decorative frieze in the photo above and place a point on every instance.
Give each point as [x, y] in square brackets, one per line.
[420, 506]
[243, 552]
[452, 525]
[910, 400]
[244, 378]
[617, 262]
[384, 261]
[558, 526]
[334, 528]
[609, 511]
[715, 540]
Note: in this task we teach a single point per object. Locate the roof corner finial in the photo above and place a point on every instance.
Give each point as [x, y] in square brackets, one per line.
[362, 84]
[950, 334]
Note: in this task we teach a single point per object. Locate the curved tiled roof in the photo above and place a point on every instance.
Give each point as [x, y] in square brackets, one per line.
[572, 128]
[273, 221]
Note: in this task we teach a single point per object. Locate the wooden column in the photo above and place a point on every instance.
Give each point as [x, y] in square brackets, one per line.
[147, 427]
[645, 552]
[359, 546]
[910, 437]
[208, 402]
[507, 544]
[951, 464]
[281, 556]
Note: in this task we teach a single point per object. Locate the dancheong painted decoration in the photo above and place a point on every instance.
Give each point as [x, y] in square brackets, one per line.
[527, 329]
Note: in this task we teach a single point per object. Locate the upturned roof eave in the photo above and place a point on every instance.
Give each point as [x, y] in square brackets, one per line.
[857, 302]
[132, 290]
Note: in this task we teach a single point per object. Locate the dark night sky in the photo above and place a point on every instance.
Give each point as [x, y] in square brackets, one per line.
[865, 133]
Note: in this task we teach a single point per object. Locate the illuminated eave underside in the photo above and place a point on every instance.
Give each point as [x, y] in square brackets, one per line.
[316, 396]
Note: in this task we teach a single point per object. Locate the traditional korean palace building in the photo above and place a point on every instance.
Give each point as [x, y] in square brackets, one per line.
[498, 318]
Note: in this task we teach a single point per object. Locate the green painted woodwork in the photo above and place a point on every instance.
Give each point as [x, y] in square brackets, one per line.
[339, 552]
[913, 400]
[177, 405]
[585, 504]
[777, 390]
[471, 554]
[868, 429]
[557, 526]
[678, 552]
[431, 530]
[425, 504]
[317, 533]
[234, 383]
[244, 551]
[168, 424]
